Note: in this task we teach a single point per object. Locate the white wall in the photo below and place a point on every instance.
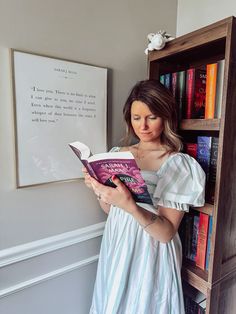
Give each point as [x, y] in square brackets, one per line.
[41, 228]
[192, 14]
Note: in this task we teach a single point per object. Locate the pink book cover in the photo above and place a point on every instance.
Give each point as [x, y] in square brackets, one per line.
[122, 164]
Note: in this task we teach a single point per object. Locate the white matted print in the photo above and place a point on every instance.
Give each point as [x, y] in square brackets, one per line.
[56, 102]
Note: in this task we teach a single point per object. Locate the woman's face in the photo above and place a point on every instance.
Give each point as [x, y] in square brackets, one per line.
[147, 126]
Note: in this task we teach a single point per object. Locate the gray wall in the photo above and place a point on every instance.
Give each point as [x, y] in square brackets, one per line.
[192, 15]
[50, 234]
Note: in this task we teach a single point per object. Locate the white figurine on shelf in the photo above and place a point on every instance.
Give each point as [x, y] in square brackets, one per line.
[157, 41]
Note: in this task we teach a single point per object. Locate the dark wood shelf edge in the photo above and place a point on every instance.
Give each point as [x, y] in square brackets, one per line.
[200, 124]
[195, 276]
[206, 209]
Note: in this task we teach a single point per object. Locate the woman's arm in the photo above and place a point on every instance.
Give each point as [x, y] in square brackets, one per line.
[162, 226]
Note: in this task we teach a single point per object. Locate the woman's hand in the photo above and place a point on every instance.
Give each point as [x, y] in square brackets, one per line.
[87, 178]
[119, 196]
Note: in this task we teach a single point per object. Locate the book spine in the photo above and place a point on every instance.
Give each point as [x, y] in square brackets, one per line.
[212, 170]
[188, 235]
[202, 240]
[168, 80]
[189, 93]
[191, 149]
[209, 242]
[204, 153]
[219, 87]
[181, 93]
[162, 79]
[199, 98]
[194, 238]
[174, 84]
[210, 90]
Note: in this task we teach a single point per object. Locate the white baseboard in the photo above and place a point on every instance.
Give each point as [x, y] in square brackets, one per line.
[25, 251]
[48, 276]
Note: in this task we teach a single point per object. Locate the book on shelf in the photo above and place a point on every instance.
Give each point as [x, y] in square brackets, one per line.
[121, 164]
[219, 87]
[211, 75]
[210, 191]
[194, 242]
[191, 149]
[162, 79]
[202, 240]
[168, 80]
[188, 235]
[181, 93]
[204, 153]
[174, 83]
[195, 93]
[208, 252]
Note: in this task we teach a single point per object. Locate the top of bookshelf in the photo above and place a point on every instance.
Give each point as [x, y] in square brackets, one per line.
[211, 38]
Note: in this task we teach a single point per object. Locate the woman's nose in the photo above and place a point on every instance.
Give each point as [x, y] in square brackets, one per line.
[144, 125]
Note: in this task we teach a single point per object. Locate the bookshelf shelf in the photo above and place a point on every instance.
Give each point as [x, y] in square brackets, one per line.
[195, 276]
[206, 209]
[200, 124]
[214, 43]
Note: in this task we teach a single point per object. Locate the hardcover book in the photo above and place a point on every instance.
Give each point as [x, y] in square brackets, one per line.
[209, 242]
[195, 93]
[202, 240]
[210, 196]
[195, 231]
[191, 149]
[204, 153]
[181, 93]
[219, 87]
[122, 164]
[210, 90]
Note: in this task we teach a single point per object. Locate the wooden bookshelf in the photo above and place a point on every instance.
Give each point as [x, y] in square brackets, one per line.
[200, 124]
[206, 209]
[207, 45]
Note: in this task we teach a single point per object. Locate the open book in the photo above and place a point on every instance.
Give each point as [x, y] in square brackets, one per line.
[122, 164]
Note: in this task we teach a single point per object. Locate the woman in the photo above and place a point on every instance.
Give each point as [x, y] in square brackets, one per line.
[140, 259]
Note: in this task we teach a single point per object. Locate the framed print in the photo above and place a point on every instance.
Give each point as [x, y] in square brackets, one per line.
[56, 102]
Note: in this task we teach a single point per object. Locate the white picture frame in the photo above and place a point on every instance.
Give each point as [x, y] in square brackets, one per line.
[56, 102]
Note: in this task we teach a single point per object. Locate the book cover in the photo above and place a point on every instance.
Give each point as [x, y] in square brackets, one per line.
[210, 196]
[219, 87]
[174, 84]
[195, 230]
[122, 164]
[204, 153]
[188, 235]
[202, 240]
[168, 80]
[181, 93]
[195, 93]
[191, 149]
[209, 242]
[162, 79]
[210, 90]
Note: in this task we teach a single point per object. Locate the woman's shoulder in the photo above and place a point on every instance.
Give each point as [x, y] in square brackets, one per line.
[182, 163]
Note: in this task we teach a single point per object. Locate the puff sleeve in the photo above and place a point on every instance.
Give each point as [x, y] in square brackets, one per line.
[180, 183]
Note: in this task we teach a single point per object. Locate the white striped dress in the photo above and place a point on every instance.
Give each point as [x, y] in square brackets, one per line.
[136, 273]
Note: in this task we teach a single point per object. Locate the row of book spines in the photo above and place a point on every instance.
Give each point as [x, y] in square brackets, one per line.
[197, 246]
[198, 91]
[205, 151]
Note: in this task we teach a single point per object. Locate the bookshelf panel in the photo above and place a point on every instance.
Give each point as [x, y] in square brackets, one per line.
[200, 124]
[195, 276]
[206, 209]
